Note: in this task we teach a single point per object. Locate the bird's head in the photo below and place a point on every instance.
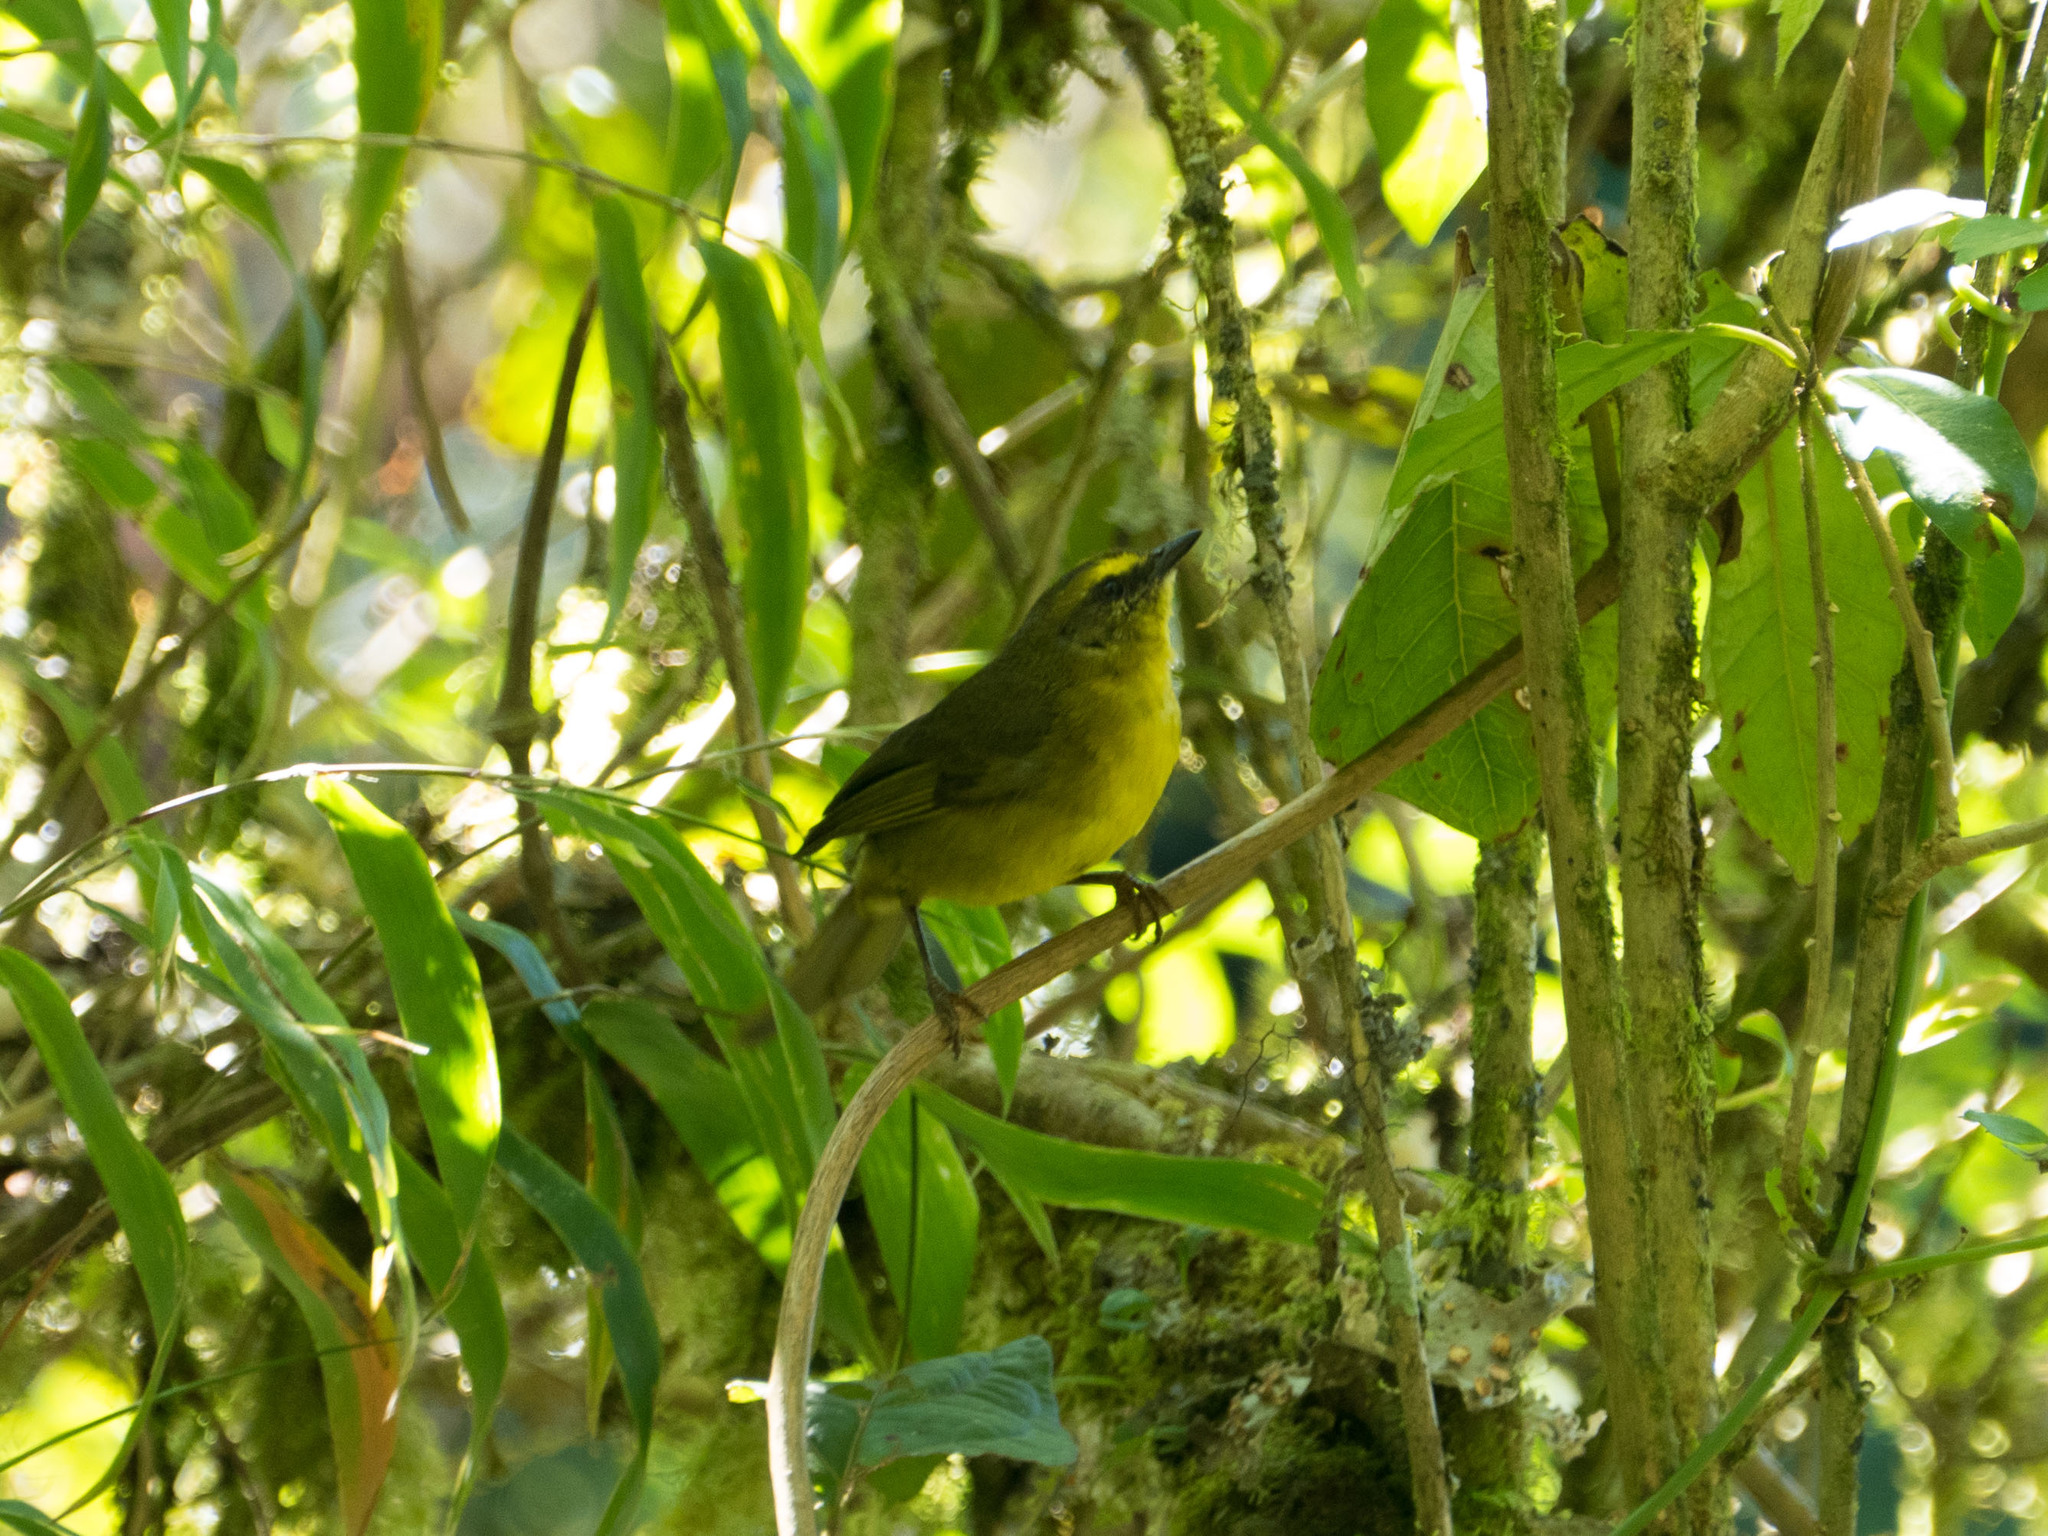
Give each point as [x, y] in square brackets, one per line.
[1113, 601]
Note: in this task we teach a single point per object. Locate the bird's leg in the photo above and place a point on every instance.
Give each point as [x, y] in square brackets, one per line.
[947, 1002]
[1144, 899]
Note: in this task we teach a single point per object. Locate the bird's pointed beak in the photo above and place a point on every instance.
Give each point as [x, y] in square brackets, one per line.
[1160, 563]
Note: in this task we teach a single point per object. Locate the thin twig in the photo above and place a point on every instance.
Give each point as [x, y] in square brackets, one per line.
[927, 385]
[1220, 870]
[405, 320]
[1820, 959]
[514, 724]
[686, 490]
[1919, 644]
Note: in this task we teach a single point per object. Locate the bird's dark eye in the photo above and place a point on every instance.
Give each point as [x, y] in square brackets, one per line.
[1109, 589]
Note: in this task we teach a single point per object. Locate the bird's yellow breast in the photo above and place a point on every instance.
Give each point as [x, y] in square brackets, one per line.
[1086, 788]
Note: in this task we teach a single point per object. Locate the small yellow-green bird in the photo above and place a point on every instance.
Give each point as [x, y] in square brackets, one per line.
[1043, 763]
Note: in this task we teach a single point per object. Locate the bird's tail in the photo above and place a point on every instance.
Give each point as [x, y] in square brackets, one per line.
[849, 951]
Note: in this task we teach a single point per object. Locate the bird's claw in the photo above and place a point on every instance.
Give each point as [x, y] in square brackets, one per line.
[1142, 898]
[949, 1006]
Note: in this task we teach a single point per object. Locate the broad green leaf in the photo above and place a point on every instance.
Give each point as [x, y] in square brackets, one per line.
[946, 1223]
[709, 115]
[467, 1293]
[701, 1100]
[1332, 221]
[1430, 608]
[2017, 1135]
[1458, 442]
[812, 161]
[65, 24]
[765, 437]
[1760, 647]
[2032, 291]
[137, 1187]
[435, 984]
[1794, 18]
[359, 1360]
[1974, 239]
[594, 1242]
[977, 941]
[629, 354]
[1896, 212]
[85, 170]
[1452, 381]
[1938, 107]
[1955, 451]
[1263, 1199]
[998, 1403]
[1603, 280]
[397, 58]
[1430, 142]
[1998, 581]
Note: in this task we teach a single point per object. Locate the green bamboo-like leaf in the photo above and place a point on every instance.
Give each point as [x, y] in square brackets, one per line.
[2015, 1134]
[709, 115]
[1759, 656]
[137, 1187]
[946, 1224]
[1794, 18]
[359, 1360]
[173, 20]
[1264, 1199]
[977, 941]
[594, 1242]
[29, 1520]
[108, 469]
[1332, 221]
[629, 354]
[397, 57]
[1956, 451]
[467, 1293]
[343, 1104]
[767, 1041]
[435, 984]
[812, 163]
[85, 169]
[848, 49]
[51, 140]
[64, 25]
[765, 435]
[1431, 143]
[701, 1100]
[108, 765]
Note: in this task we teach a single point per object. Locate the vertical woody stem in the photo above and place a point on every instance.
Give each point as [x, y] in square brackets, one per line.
[1326, 966]
[1526, 116]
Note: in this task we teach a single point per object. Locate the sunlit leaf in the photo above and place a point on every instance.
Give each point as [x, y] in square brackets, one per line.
[64, 25]
[435, 984]
[1430, 142]
[1264, 1199]
[86, 168]
[173, 20]
[2017, 1135]
[848, 48]
[765, 436]
[1938, 107]
[1955, 451]
[1332, 219]
[812, 162]
[1896, 212]
[594, 1242]
[397, 58]
[1794, 18]
[1760, 647]
[1974, 239]
[359, 1359]
[709, 115]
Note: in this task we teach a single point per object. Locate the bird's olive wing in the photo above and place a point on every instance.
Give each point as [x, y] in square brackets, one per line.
[879, 796]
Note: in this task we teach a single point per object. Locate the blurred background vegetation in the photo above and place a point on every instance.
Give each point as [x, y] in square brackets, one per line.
[1008, 162]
